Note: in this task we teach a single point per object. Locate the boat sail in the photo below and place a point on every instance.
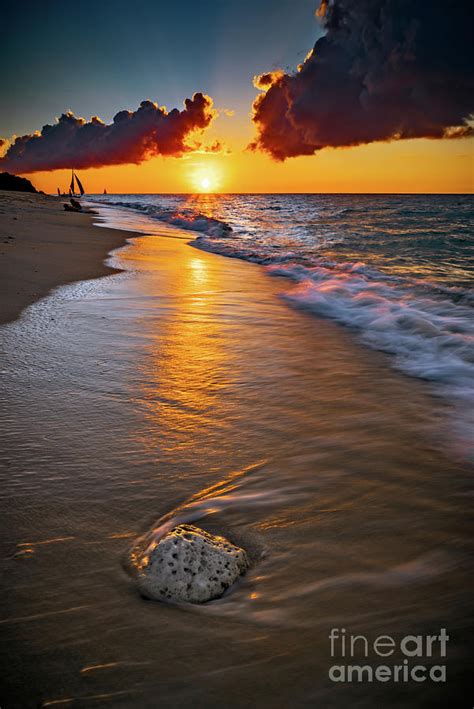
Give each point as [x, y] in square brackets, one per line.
[79, 184]
[72, 186]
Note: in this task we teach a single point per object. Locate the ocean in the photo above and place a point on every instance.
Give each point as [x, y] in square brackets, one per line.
[397, 270]
[308, 399]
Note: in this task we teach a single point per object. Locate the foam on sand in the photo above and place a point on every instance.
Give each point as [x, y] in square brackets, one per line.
[431, 337]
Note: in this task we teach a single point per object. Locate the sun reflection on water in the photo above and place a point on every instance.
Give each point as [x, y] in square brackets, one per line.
[188, 364]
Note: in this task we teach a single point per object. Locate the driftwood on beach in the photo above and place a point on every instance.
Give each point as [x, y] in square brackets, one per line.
[76, 206]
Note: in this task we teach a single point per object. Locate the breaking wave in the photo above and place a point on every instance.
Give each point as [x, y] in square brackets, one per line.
[427, 327]
[430, 336]
[184, 219]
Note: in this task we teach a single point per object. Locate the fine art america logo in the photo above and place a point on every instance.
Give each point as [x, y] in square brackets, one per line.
[418, 653]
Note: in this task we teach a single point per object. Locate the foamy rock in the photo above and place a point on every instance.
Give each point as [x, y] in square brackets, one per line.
[188, 564]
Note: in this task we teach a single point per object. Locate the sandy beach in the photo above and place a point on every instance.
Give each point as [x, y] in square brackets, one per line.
[42, 246]
[186, 378]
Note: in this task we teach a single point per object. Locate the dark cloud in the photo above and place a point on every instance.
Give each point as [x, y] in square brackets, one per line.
[385, 69]
[132, 137]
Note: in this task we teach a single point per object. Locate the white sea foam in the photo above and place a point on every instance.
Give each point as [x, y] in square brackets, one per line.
[431, 337]
[184, 219]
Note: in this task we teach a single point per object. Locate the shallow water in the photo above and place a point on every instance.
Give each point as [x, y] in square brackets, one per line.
[396, 269]
[423, 237]
[186, 388]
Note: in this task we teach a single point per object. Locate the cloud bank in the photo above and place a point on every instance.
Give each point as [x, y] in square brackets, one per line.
[132, 137]
[385, 69]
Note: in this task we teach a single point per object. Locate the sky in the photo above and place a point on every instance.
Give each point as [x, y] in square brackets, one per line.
[101, 58]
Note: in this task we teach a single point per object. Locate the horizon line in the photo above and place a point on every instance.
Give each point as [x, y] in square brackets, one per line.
[460, 194]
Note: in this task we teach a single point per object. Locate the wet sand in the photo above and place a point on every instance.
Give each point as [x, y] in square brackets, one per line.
[42, 246]
[187, 380]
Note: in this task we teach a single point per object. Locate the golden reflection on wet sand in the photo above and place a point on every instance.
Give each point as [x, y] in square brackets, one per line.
[188, 367]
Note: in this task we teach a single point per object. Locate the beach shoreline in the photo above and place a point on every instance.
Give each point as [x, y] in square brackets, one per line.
[128, 399]
[43, 247]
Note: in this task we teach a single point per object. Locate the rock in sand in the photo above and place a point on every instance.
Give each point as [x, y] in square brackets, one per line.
[189, 564]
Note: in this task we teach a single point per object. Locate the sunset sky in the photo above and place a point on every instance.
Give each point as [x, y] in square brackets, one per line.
[97, 59]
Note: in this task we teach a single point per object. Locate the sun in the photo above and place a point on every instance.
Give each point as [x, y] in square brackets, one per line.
[206, 178]
[205, 181]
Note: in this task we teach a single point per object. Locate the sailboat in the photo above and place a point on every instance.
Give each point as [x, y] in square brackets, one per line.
[105, 191]
[72, 186]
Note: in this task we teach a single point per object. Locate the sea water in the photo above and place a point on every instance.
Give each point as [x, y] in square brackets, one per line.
[396, 269]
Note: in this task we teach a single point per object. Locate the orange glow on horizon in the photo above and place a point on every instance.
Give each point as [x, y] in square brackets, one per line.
[406, 166]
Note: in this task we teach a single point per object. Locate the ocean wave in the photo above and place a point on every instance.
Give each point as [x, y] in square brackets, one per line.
[430, 336]
[428, 328]
[184, 219]
[252, 253]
